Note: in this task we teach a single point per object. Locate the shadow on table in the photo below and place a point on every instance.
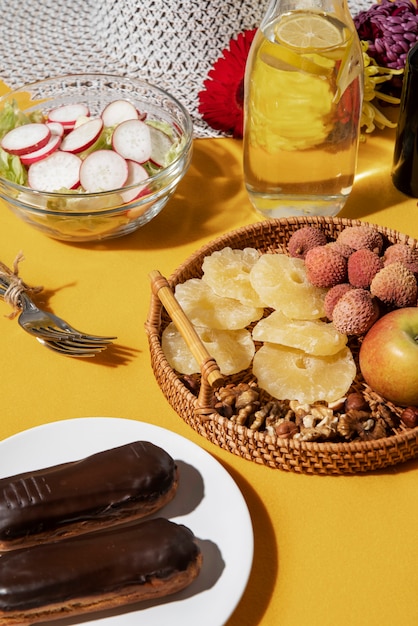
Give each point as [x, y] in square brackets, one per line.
[265, 567]
[373, 189]
[115, 355]
[210, 199]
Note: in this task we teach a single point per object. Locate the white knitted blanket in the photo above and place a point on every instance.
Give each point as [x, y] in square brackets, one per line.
[171, 43]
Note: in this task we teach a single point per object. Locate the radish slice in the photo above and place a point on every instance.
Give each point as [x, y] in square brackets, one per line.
[56, 128]
[132, 140]
[67, 114]
[61, 170]
[103, 170]
[52, 145]
[136, 174]
[161, 144]
[26, 138]
[83, 136]
[119, 111]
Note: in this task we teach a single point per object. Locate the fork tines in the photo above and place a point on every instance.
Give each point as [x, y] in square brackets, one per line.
[49, 332]
[70, 348]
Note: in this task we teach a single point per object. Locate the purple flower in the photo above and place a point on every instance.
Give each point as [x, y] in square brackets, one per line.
[391, 29]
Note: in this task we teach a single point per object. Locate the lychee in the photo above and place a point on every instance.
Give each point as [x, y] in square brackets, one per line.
[333, 295]
[403, 253]
[363, 236]
[342, 248]
[395, 285]
[362, 267]
[304, 239]
[355, 312]
[325, 267]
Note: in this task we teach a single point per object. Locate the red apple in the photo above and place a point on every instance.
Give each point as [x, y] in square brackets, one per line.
[389, 356]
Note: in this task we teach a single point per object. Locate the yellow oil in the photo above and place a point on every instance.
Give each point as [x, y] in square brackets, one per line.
[302, 110]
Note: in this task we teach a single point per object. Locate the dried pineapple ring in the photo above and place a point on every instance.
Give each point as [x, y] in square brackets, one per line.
[233, 350]
[205, 308]
[311, 336]
[227, 272]
[290, 374]
[282, 284]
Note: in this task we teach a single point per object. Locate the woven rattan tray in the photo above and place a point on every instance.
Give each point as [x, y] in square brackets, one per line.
[257, 446]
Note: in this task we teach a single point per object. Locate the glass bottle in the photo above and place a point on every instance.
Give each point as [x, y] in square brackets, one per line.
[405, 157]
[303, 100]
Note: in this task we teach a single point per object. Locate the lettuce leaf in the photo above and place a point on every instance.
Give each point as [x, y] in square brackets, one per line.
[11, 116]
[103, 142]
[172, 154]
[12, 169]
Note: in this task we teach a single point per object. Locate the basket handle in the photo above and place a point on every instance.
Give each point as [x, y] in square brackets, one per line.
[208, 366]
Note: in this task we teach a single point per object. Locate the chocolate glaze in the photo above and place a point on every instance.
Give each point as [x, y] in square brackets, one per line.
[99, 486]
[94, 564]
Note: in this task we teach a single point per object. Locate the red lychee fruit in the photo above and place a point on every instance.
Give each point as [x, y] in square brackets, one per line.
[363, 236]
[395, 285]
[362, 267]
[355, 312]
[325, 267]
[304, 239]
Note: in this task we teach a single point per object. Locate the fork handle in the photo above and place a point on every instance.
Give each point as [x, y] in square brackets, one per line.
[14, 297]
[13, 292]
[19, 289]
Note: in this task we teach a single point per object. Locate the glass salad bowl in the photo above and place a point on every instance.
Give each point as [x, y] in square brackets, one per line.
[89, 157]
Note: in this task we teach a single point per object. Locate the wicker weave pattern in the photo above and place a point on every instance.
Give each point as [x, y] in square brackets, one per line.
[285, 454]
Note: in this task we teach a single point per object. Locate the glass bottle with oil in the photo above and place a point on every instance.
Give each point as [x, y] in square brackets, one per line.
[303, 100]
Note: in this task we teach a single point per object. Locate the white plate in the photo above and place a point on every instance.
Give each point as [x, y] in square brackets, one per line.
[208, 501]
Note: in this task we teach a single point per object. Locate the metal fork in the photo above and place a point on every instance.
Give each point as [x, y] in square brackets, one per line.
[70, 348]
[52, 331]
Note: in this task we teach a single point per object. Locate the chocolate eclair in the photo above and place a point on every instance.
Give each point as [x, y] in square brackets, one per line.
[97, 571]
[117, 485]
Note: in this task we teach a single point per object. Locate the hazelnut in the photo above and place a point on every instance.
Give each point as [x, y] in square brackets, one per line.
[192, 383]
[224, 409]
[356, 402]
[409, 416]
[286, 430]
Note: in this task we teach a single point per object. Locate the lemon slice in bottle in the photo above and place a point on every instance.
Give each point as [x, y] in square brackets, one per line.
[282, 58]
[307, 31]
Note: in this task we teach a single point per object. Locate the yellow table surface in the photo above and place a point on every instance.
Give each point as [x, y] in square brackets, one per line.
[328, 550]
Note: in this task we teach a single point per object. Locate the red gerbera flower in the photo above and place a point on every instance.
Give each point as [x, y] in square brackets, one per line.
[221, 102]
